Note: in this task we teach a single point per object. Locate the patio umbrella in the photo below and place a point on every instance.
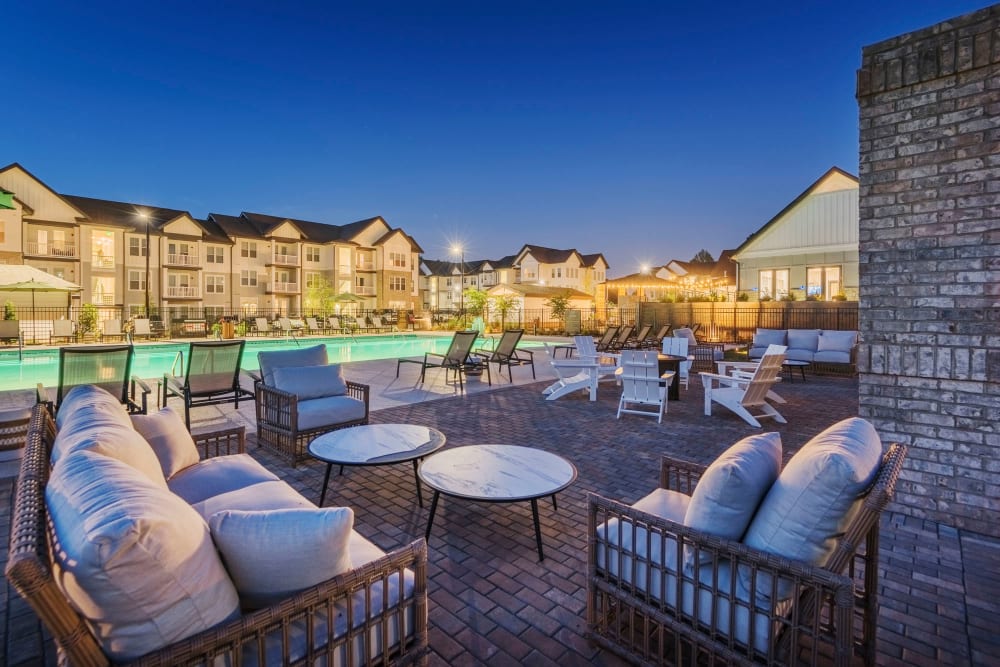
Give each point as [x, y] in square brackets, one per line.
[21, 278]
[347, 297]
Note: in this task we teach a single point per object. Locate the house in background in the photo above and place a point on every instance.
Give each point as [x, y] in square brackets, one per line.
[531, 309]
[561, 268]
[677, 280]
[809, 249]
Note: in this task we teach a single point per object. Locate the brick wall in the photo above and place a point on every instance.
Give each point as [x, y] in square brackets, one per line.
[930, 262]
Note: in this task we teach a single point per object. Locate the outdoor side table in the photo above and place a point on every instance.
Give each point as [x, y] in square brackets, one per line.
[375, 445]
[497, 474]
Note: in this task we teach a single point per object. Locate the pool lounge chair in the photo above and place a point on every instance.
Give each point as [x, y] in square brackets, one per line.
[507, 354]
[456, 359]
[361, 324]
[112, 329]
[212, 376]
[142, 329]
[261, 327]
[62, 330]
[623, 337]
[383, 327]
[107, 366]
[313, 327]
[607, 339]
[638, 341]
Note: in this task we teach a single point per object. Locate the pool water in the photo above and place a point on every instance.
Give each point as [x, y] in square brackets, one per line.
[152, 361]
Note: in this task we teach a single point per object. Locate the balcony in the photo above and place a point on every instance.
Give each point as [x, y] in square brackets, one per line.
[102, 262]
[284, 260]
[364, 291]
[183, 293]
[364, 264]
[279, 287]
[62, 250]
[344, 269]
[182, 260]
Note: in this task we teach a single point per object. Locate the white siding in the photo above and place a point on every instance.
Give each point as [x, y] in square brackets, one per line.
[46, 205]
[825, 222]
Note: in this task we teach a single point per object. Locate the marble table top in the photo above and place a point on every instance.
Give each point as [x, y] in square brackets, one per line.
[375, 444]
[500, 473]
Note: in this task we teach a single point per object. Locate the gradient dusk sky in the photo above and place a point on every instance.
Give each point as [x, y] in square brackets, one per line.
[643, 130]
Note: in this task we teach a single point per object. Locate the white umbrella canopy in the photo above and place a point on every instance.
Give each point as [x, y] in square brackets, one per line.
[21, 277]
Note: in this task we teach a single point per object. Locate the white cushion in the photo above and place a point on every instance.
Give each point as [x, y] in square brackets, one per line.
[765, 337]
[328, 411]
[306, 356]
[803, 339]
[256, 545]
[169, 438]
[836, 346]
[97, 422]
[220, 474]
[816, 496]
[311, 381]
[134, 559]
[731, 488]
[276, 495]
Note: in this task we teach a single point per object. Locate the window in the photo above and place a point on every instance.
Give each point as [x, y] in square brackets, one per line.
[137, 247]
[215, 284]
[178, 249]
[213, 254]
[397, 259]
[773, 283]
[314, 279]
[248, 278]
[312, 254]
[284, 253]
[248, 249]
[137, 281]
[823, 282]
[397, 283]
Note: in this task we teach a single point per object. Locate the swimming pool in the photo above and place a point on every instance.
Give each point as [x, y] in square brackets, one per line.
[152, 361]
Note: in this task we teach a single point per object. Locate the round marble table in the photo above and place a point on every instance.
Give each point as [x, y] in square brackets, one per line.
[497, 474]
[376, 445]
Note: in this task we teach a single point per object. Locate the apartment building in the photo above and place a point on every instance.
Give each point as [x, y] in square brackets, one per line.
[248, 263]
[561, 268]
[443, 281]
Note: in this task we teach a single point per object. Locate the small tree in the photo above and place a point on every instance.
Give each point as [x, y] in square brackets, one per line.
[559, 304]
[88, 318]
[319, 297]
[9, 312]
[703, 257]
[504, 304]
[475, 301]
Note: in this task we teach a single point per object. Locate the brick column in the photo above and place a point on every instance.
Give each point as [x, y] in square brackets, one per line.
[930, 263]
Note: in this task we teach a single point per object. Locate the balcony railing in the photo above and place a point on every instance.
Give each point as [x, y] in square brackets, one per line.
[182, 260]
[364, 264]
[364, 291]
[286, 260]
[50, 249]
[344, 269]
[104, 299]
[278, 286]
[183, 293]
[102, 262]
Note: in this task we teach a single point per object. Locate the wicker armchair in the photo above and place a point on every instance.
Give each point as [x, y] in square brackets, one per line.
[643, 622]
[261, 637]
[278, 420]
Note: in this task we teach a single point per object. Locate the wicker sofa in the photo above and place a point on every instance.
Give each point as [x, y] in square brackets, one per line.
[194, 567]
[826, 350]
[299, 396]
[743, 562]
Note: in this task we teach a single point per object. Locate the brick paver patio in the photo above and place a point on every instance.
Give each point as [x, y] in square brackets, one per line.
[493, 602]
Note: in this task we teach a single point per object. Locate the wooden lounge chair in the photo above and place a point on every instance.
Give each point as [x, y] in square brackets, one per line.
[107, 366]
[742, 394]
[507, 354]
[212, 376]
[455, 359]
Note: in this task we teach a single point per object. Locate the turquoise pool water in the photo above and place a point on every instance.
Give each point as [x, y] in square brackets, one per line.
[152, 361]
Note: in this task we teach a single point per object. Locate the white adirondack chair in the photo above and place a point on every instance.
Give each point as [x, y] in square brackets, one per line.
[678, 347]
[642, 384]
[743, 394]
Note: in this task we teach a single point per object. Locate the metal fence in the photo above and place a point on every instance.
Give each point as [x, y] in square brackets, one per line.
[737, 322]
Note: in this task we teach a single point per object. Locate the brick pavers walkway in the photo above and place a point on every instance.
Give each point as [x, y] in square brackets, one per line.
[493, 602]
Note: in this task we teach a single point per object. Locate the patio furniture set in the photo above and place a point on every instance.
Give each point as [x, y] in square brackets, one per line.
[737, 561]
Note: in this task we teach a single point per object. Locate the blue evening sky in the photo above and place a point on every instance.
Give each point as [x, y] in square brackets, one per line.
[643, 130]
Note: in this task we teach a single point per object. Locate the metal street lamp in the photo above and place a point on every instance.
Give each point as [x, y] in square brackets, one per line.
[145, 217]
[460, 251]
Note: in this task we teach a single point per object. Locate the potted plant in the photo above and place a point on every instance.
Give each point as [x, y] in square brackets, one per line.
[87, 324]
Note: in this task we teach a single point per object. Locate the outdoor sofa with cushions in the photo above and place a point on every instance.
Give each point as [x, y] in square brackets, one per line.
[133, 549]
[743, 561]
[300, 396]
[826, 349]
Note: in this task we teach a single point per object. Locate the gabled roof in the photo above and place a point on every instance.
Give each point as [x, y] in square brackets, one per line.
[640, 279]
[414, 246]
[545, 255]
[795, 202]
[505, 262]
[124, 214]
[591, 260]
[17, 165]
[268, 223]
[443, 268]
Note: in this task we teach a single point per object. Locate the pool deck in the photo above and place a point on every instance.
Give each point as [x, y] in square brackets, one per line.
[492, 602]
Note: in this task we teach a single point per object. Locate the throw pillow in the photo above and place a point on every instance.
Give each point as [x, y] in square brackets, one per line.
[815, 497]
[311, 381]
[837, 341]
[272, 554]
[135, 560]
[765, 337]
[306, 356]
[732, 487]
[168, 436]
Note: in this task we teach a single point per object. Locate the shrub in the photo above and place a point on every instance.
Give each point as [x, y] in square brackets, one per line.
[88, 318]
[9, 312]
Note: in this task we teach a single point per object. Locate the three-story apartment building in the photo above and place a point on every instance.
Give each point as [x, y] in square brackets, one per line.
[223, 264]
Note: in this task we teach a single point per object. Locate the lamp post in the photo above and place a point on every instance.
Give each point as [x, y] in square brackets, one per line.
[460, 251]
[145, 218]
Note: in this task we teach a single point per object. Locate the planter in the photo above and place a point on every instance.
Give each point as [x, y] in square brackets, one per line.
[228, 329]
